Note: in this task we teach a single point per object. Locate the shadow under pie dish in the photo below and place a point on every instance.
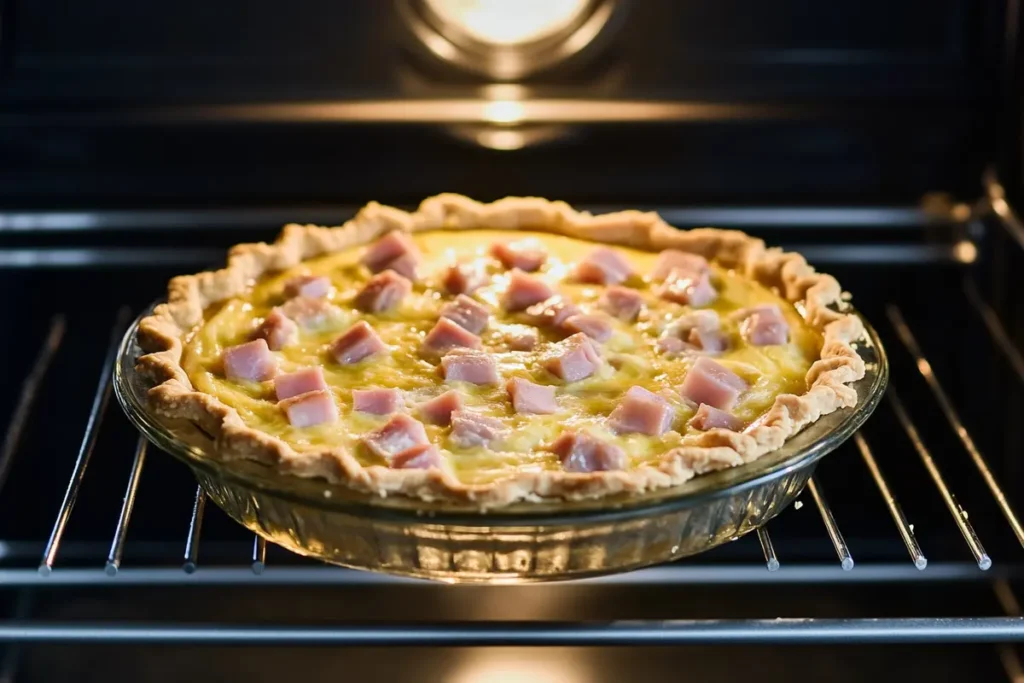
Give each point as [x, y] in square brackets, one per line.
[505, 352]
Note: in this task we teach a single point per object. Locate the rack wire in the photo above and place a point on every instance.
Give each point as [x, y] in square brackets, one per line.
[1007, 628]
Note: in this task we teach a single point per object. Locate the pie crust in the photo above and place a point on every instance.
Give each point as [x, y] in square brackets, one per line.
[817, 295]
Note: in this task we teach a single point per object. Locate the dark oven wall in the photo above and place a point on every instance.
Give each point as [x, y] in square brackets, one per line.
[107, 102]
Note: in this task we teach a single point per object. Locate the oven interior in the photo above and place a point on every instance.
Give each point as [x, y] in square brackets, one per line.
[881, 143]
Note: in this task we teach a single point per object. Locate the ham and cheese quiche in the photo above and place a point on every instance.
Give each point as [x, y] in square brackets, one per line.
[493, 353]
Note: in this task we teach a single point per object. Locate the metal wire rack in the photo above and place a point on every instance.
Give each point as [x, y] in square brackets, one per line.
[110, 571]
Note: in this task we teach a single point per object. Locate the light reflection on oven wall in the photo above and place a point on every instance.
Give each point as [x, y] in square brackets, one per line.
[499, 45]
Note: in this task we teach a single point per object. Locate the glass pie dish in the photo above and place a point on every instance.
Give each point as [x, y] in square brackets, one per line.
[533, 541]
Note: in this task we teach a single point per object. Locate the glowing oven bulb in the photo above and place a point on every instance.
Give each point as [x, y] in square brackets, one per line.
[508, 22]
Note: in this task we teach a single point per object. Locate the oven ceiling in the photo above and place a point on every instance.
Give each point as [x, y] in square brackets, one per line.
[109, 102]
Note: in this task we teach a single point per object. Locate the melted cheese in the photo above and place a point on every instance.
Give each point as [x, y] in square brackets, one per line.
[769, 370]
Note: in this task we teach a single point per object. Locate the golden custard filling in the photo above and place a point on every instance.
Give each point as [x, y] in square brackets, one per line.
[631, 356]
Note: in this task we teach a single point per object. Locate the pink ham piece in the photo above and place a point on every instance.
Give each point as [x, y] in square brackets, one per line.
[312, 286]
[400, 433]
[278, 330]
[471, 429]
[712, 383]
[310, 313]
[357, 343]
[597, 327]
[382, 292]
[251, 361]
[552, 312]
[310, 409]
[421, 457]
[583, 452]
[675, 260]
[376, 401]
[603, 266]
[522, 340]
[475, 367]
[524, 291]
[394, 251]
[574, 359]
[438, 410]
[467, 313]
[697, 331]
[525, 256]
[445, 336]
[619, 302]
[688, 288]
[708, 417]
[641, 412]
[529, 398]
[764, 325]
[299, 382]
[464, 278]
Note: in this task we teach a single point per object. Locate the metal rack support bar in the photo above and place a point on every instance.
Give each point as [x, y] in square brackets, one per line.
[995, 328]
[27, 397]
[925, 369]
[958, 512]
[538, 633]
[121, 532]
[771, 560]
[906, 533]
[99, 407]
[195, 528]
[838, 542]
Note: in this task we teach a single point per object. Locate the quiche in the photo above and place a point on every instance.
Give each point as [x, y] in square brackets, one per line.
[491, 353]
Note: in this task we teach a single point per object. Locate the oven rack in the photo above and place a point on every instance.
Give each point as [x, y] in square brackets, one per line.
[109, 571]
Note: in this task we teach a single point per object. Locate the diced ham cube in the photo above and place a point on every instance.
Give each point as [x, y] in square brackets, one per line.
[622, 303]
[445, 336]
[251, 361]
[522, 339]
[358, 342]
[421, 457]
[394, 251]
[697, 331]
[597, 327]
[382, 292]
[376, 401]
[712, 383]
[583, 452]
[471, 429]
[526, 256]
[708, 417]
[464, 278]
[438, 410]
[278, 330]
[574, 359]
[468, 313]
[641, 412]
[763, 325]
[688, 288]
[300, 382]
[684, 262]
[552, 312]
[311, 313]
[475, 367]
[524, 291]
[529, 398]
[400, 433]
[310, 409]
[603, 266]
[312, 286]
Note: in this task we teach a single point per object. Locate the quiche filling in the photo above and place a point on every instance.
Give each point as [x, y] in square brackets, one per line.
[489, 355]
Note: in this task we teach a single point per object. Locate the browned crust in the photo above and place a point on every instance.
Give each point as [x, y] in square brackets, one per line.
[828, 380]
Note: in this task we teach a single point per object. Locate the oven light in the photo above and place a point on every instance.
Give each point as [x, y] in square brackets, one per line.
[508, 22]
[503, 111]
[506, 667]
[504, 140]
